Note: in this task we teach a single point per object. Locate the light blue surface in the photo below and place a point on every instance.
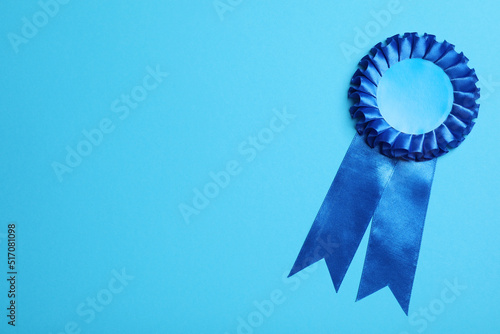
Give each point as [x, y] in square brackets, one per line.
[415, 96]
[230, 77]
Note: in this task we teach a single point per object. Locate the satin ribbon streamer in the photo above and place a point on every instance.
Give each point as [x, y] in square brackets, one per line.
[388, 181]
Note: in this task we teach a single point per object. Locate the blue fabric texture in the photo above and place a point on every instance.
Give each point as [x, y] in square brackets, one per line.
[388, 181]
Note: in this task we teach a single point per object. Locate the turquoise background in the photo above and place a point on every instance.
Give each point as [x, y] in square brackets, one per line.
[119, 208]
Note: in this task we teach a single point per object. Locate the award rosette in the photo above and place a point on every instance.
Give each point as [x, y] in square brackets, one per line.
[386, 175]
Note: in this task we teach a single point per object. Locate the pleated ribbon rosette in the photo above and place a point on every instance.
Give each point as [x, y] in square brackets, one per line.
[386, 175]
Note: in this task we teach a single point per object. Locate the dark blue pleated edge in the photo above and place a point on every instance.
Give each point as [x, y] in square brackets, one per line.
[397, 144]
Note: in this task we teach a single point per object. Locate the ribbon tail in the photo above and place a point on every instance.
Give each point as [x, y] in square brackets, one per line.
[346, 211]
[396, 232]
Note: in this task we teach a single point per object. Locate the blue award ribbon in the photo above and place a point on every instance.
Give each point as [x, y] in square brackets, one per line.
[388, 181]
